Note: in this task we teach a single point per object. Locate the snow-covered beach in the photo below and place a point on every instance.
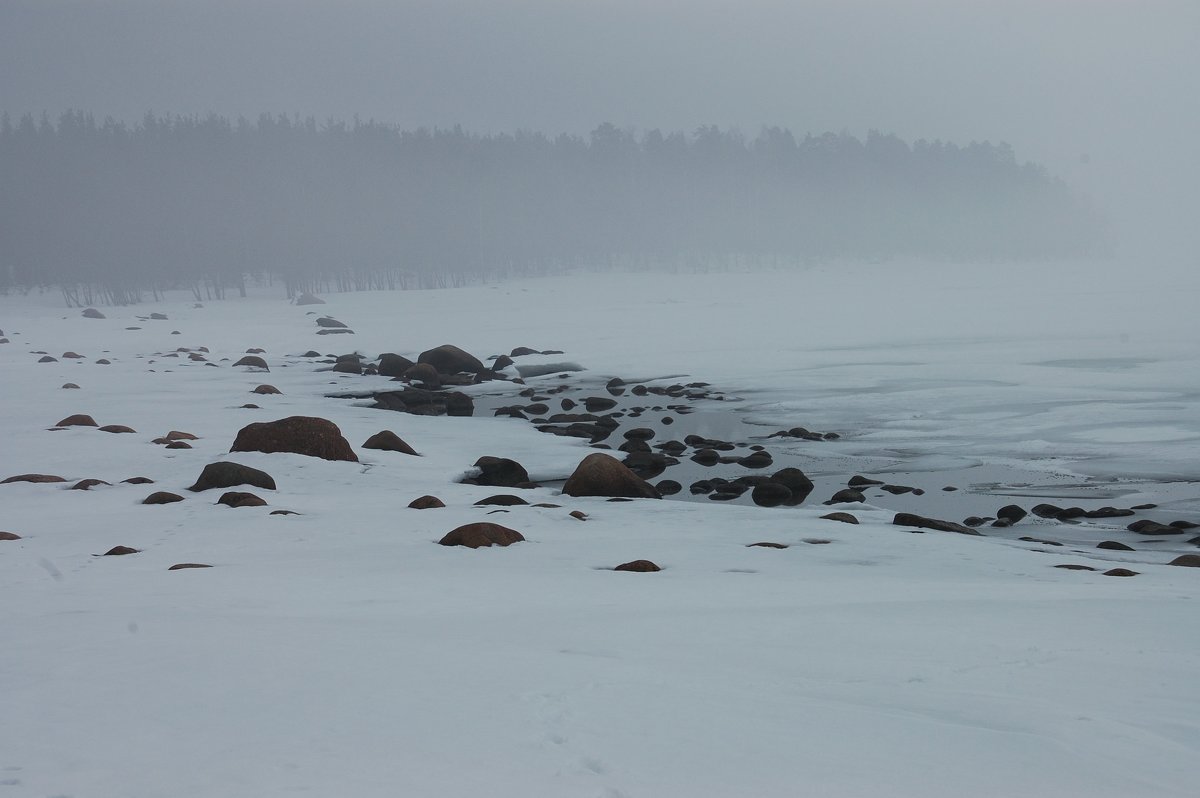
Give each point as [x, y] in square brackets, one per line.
[339, 651]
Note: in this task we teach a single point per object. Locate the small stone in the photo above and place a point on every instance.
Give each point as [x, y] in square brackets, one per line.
[162, 497]
[88, 484]
[1114, 546]
[70, 386]
[426, 503]
[77, 420]
[845, 518]
[9, 536]
[481, 534]
[34, 478]
[265, 390]
[1120, 572]
[117, 429]
[766, 545]
[578, 515]
[181, 566]
[138, 481]
[117, 551]
[1187, 560]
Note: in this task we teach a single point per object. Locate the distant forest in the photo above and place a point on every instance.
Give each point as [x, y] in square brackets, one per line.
[112, 212]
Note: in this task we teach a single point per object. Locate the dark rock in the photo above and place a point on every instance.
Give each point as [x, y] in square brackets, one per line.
[501, 500]
[9, 536]
[241, 499]
[701, 487]
[426, 503]
[597, 404]
[338, 331]
[578, 515]
[846, 495]
[88, 484]
[284, 512]
[1143, 507]
[77, 420]
[638, 566]
[138, 481]
[309, 299]
[1073, 567]
[766, 545]
[770, 494]
[523, 350]
[897, 490]
[162, 497]
[70, 386]
[706, 457]
[1071, 513]
[1042, 541]
[424, 374]
[183, 566]
[307, 435]
[1011, 512]
[1183, 525]
[845, 518]
[859, 481]
[265, 390]
[92, 313]
[426, 403]
[1114, 545]
[72, 356]
[499, 472]
[178, 445]
[668, 487]
[393, 365]
[1148, 527]
[795, 481]
[117, 429]
[47, 359]
[117, 551]
[253, 361]
[975, 520]
[648, 465]
[601, 474]
[348, 367]
[1046, 510]
[1120, 572]
[481, 534]
[1109, 512]
[1187, 560]
[910, 519]
[330, 323]
[35, 478]
[639, 434]
[227, 475]
[756, 460]
[388, 441]
[449, 359]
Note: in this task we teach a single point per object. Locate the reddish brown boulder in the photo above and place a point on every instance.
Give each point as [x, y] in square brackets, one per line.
[307, 435]
[638, 566]
[264, 390]
[240, 499]
[72, 356]
[38, 478]
[601, 474]
[78, 420]
[481, 534]
[88, 484]
[1187, 560]
[449, 359]
[425, 374]
[176, 435]
[117, 428]
[228, 475]
[182, 566]
[138, 481]
[178, 445]
[388, 441]
[845, 518]
[117, 551]
[426, 503]
[9, 536]
[162, 497]
[393, 365]
[578, 515]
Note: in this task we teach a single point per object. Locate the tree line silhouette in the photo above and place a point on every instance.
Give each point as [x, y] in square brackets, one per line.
[109, 211]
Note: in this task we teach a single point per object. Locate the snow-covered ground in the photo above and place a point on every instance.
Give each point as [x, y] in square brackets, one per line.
[341, 652]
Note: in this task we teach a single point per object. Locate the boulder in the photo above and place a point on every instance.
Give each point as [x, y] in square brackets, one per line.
[36, 478]
[1121, 572]
[480, 534]
[117, 429]
[1114, 545]
[501, 500]
[348, 367]
[770, 494]
[426, 503]
[499, 472]
[307, 435]
[182, 566]
[235, 498]
[601, 474]
[393, 365]
[137, 481]
[330, 323]
[162, 497]
[9, 536]
[425, 374]
[176, 435]
[78, 420]
[449, 359]
[227, 475]
[47, 359]
[254, 362]
[796, 481]
[117, 551]
[70, 386]
[846, 496]
[88, 484]
[845, 518]
[911, 519]
[1187, 560]
[638, 566]
[388, 441]
[308, 299]
[92, 313]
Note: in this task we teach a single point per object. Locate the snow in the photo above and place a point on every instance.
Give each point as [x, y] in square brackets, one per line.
[341, 652]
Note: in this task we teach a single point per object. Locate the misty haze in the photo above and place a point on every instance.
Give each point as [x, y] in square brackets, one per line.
[599, 399]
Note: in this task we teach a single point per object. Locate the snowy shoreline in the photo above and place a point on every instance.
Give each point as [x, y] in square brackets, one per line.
[342, 651]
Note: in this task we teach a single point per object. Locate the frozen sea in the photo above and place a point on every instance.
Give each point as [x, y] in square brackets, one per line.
[340, 651]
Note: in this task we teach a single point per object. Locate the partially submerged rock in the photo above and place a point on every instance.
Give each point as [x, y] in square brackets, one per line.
[911, 519]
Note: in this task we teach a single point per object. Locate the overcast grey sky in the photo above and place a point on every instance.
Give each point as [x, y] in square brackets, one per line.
[1104, 92]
